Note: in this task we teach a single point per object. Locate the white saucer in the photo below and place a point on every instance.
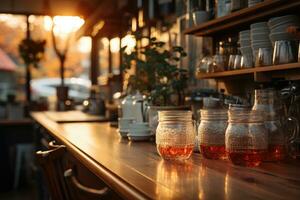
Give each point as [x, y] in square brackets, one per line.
[144, 137]
[123, 132]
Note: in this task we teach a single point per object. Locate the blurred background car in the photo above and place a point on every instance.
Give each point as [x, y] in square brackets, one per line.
[79, 89]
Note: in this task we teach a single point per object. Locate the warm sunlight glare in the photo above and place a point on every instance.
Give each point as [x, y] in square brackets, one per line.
[128, 41]
[105, 42]
[14, 21]
[97, 27]
[133, 24]
[63, 25]
[84, 44]
[47, 23]
[115, 45]
[141, 18]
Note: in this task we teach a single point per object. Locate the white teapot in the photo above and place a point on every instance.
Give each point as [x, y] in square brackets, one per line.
[127, 107]
[139, 106]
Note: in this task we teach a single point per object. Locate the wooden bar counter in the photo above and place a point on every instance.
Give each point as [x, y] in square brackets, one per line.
[136, 171]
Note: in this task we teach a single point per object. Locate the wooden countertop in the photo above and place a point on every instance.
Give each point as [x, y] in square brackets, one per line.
[136, 171]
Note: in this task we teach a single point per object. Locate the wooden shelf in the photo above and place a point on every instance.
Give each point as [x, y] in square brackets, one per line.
[245, 17]
[251, 71]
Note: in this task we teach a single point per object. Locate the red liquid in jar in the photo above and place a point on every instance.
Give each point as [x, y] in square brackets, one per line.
[213, 152]
[175, 153]
[275, 153]
[249, 158]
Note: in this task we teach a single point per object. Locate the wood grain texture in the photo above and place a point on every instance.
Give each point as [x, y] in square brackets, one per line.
[267, 70]
[136, 171]
[74, 116]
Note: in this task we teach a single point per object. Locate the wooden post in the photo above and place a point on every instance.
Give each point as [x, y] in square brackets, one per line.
[120, 64]
[94, 71]
[109, 58]
[110, 73]
[28, 73]
[120, 54]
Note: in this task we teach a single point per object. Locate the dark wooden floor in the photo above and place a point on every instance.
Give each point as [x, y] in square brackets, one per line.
[24, 193]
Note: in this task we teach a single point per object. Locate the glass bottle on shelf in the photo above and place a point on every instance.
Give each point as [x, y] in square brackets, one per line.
[175, 135]
[246, 137]
[219, 60]
[211, 133]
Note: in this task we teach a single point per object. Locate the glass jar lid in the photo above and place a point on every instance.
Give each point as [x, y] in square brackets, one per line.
[245, 116]
[239, 107]
[213, 114]
[174, 115]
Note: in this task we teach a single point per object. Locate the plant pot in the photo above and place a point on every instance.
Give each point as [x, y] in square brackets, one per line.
[62, 96]
[62, 93]
[153, 114]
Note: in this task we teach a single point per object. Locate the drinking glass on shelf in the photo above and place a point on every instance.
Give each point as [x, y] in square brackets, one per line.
[231, 62]
[237, 62]
[264, 57]
[219, 63]
[247, 60]
[285, 51]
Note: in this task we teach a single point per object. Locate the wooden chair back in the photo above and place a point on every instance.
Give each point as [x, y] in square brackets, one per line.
[51, 162]
[63, 184]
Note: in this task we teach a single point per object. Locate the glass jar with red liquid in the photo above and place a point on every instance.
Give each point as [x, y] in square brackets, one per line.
[211, 133]
[175, 134]
[246, 137]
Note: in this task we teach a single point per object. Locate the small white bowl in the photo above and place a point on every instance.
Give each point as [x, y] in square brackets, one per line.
[259, 25]
[275, 21]
[281, 36]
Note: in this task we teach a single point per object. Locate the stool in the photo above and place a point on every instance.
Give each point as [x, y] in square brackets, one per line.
[22, 151]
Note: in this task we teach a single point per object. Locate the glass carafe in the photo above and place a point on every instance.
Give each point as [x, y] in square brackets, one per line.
[294, 139]
[175, 135]
[268, 100]
[246, 137]
[276, 121]
[211, 133]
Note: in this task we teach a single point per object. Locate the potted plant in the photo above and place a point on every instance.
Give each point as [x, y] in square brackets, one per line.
[31, 51]
[158, 76]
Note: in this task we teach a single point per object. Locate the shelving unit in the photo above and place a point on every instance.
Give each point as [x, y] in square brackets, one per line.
[239, 81]
[250, 71]
[245, 17]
